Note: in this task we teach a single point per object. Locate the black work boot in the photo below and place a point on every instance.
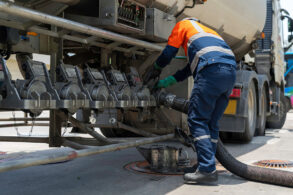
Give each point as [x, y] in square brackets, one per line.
[201, 177]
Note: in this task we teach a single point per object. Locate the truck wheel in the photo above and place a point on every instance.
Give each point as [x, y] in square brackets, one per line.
[250, 123]
[288, 103]
[283, 114]
[260, 131]
[114, 132]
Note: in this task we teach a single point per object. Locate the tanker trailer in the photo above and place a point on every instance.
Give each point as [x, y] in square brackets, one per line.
[251, 28]
[99, 51]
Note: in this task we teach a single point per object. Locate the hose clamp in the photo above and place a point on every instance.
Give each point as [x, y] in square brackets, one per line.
[170, 100]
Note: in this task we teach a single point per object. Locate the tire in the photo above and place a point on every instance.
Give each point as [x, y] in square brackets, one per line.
[250, 121]
[288, 103]
[114, 132]
[260, 131]
[283, 115]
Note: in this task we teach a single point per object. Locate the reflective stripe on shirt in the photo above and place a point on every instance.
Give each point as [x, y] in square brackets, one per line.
[206, 50]
[196, 26]
[201, 35]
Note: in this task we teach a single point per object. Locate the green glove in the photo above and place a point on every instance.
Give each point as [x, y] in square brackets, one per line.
[168, 81]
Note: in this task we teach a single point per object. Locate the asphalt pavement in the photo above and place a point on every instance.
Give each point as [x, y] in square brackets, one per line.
[106, 174]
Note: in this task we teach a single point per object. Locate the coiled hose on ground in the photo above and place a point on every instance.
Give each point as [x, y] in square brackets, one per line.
[264, 175]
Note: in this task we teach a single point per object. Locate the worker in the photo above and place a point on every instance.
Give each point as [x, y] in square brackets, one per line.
[212, 64]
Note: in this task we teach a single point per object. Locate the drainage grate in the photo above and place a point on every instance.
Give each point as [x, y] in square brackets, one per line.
[274, 164]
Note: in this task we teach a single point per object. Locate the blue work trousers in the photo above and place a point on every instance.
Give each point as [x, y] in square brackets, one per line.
[209, 99]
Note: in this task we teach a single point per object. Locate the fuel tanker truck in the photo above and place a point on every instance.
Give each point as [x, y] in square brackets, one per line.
[253, 31]
[99, 51]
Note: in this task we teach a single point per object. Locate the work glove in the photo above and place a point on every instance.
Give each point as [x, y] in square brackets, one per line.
[168, 81]
[152, 73]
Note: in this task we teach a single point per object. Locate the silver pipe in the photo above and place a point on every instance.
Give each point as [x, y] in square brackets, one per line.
[39, 30]
[12, 9]
[121, 146]
[54, 157]
[60, 155]
[81, 40]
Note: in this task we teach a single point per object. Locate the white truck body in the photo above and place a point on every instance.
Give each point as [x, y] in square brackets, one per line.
[239, 22]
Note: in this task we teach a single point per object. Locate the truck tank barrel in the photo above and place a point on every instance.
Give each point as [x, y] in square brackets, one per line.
[264, 175]
[238, 22]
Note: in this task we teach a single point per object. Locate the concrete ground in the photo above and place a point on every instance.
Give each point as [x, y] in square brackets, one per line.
[105, 173]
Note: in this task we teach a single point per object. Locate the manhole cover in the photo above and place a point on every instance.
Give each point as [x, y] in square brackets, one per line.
[274, 164]
[144, 167]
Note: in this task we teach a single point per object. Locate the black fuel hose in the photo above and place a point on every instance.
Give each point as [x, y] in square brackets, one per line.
[258, 174]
